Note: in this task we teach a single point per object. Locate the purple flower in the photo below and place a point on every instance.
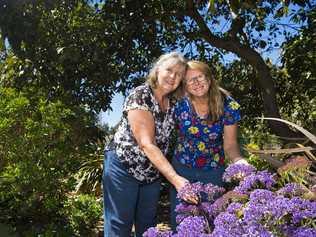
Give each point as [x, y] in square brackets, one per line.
[154, 232]
[184, 210]
[261, 196]
[233, 207]
[302, 232]
[291, 190]
[151, 232]
[220, 204]
[227, 225]
[192, 226]
[256, 230]
[180, 217]
[252, 209]
[302, 210]
[187, 208]
[237, 172]
[189, 189]
[213, 209]
[262, 179]
[212, 191]
[265, 207]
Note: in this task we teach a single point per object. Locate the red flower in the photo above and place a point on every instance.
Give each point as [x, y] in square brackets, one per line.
[221, 160]
[200, 162]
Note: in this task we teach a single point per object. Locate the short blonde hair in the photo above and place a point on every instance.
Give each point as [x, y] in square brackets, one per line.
[215, 94]
[173, 58]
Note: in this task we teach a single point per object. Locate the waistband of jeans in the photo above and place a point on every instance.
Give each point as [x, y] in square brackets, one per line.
[110, 146]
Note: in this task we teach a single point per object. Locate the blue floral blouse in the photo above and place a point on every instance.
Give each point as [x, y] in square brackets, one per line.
[200, 141]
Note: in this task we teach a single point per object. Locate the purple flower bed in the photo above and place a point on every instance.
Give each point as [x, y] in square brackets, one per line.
[256, 206]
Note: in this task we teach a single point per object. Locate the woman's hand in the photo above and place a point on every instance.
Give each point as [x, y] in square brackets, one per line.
[179, 184]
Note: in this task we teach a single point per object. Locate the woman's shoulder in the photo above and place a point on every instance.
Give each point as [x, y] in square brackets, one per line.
[230, 102]
[143, 88]
[142, 91]
[139, 97]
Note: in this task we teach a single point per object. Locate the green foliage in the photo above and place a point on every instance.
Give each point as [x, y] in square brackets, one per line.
[37, 156]
[89, 175]
[296, 81]
[295, 172]
[84, 213]
[85, 55]
[257, 137]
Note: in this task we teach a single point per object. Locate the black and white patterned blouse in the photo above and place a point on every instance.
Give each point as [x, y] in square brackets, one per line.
[127, 149]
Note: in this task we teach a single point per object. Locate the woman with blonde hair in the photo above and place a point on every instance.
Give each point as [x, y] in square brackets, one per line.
[206, 125]
[135, 158]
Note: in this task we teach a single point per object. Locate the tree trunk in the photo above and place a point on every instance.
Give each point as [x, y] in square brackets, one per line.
[268, 91]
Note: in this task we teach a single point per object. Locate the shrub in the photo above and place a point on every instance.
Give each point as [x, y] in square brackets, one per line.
[84, 213]
[37, 156]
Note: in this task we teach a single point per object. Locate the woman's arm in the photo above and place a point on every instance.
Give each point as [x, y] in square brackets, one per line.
[231, 146]
[143, 128]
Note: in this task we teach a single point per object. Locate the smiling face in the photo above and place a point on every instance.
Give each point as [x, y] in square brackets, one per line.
[169, 76]
[196, 83]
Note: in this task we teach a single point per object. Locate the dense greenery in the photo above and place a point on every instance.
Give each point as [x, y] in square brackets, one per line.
[61, 62]
[43, 144]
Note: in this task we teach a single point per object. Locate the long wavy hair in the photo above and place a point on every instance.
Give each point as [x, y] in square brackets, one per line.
[216, 94]
[172, 58]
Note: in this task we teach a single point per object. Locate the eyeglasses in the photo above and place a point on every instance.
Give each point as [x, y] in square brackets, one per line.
[200, 79]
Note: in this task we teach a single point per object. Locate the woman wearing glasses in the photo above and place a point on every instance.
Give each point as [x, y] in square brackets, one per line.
[206, 128]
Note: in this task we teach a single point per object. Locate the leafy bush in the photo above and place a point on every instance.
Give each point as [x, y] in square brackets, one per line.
[37, 156]
[84, 213]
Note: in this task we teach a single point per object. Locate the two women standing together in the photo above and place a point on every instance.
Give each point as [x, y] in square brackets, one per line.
[205, 118]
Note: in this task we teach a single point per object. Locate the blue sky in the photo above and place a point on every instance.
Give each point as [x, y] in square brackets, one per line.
[113, 117]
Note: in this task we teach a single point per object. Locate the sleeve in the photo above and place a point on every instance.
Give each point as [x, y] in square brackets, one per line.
[231, 111]
[139, 98]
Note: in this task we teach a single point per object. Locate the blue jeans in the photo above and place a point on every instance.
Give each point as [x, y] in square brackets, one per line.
[213, 176]
[126, 200]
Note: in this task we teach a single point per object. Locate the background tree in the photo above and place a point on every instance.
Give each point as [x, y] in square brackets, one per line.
[251, 27]
[297, 78]
[82, 56]
[106, 47]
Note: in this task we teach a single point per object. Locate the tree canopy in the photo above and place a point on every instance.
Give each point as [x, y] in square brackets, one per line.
[86, 51]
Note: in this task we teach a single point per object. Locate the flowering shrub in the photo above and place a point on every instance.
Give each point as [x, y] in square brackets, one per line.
[256, 206]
